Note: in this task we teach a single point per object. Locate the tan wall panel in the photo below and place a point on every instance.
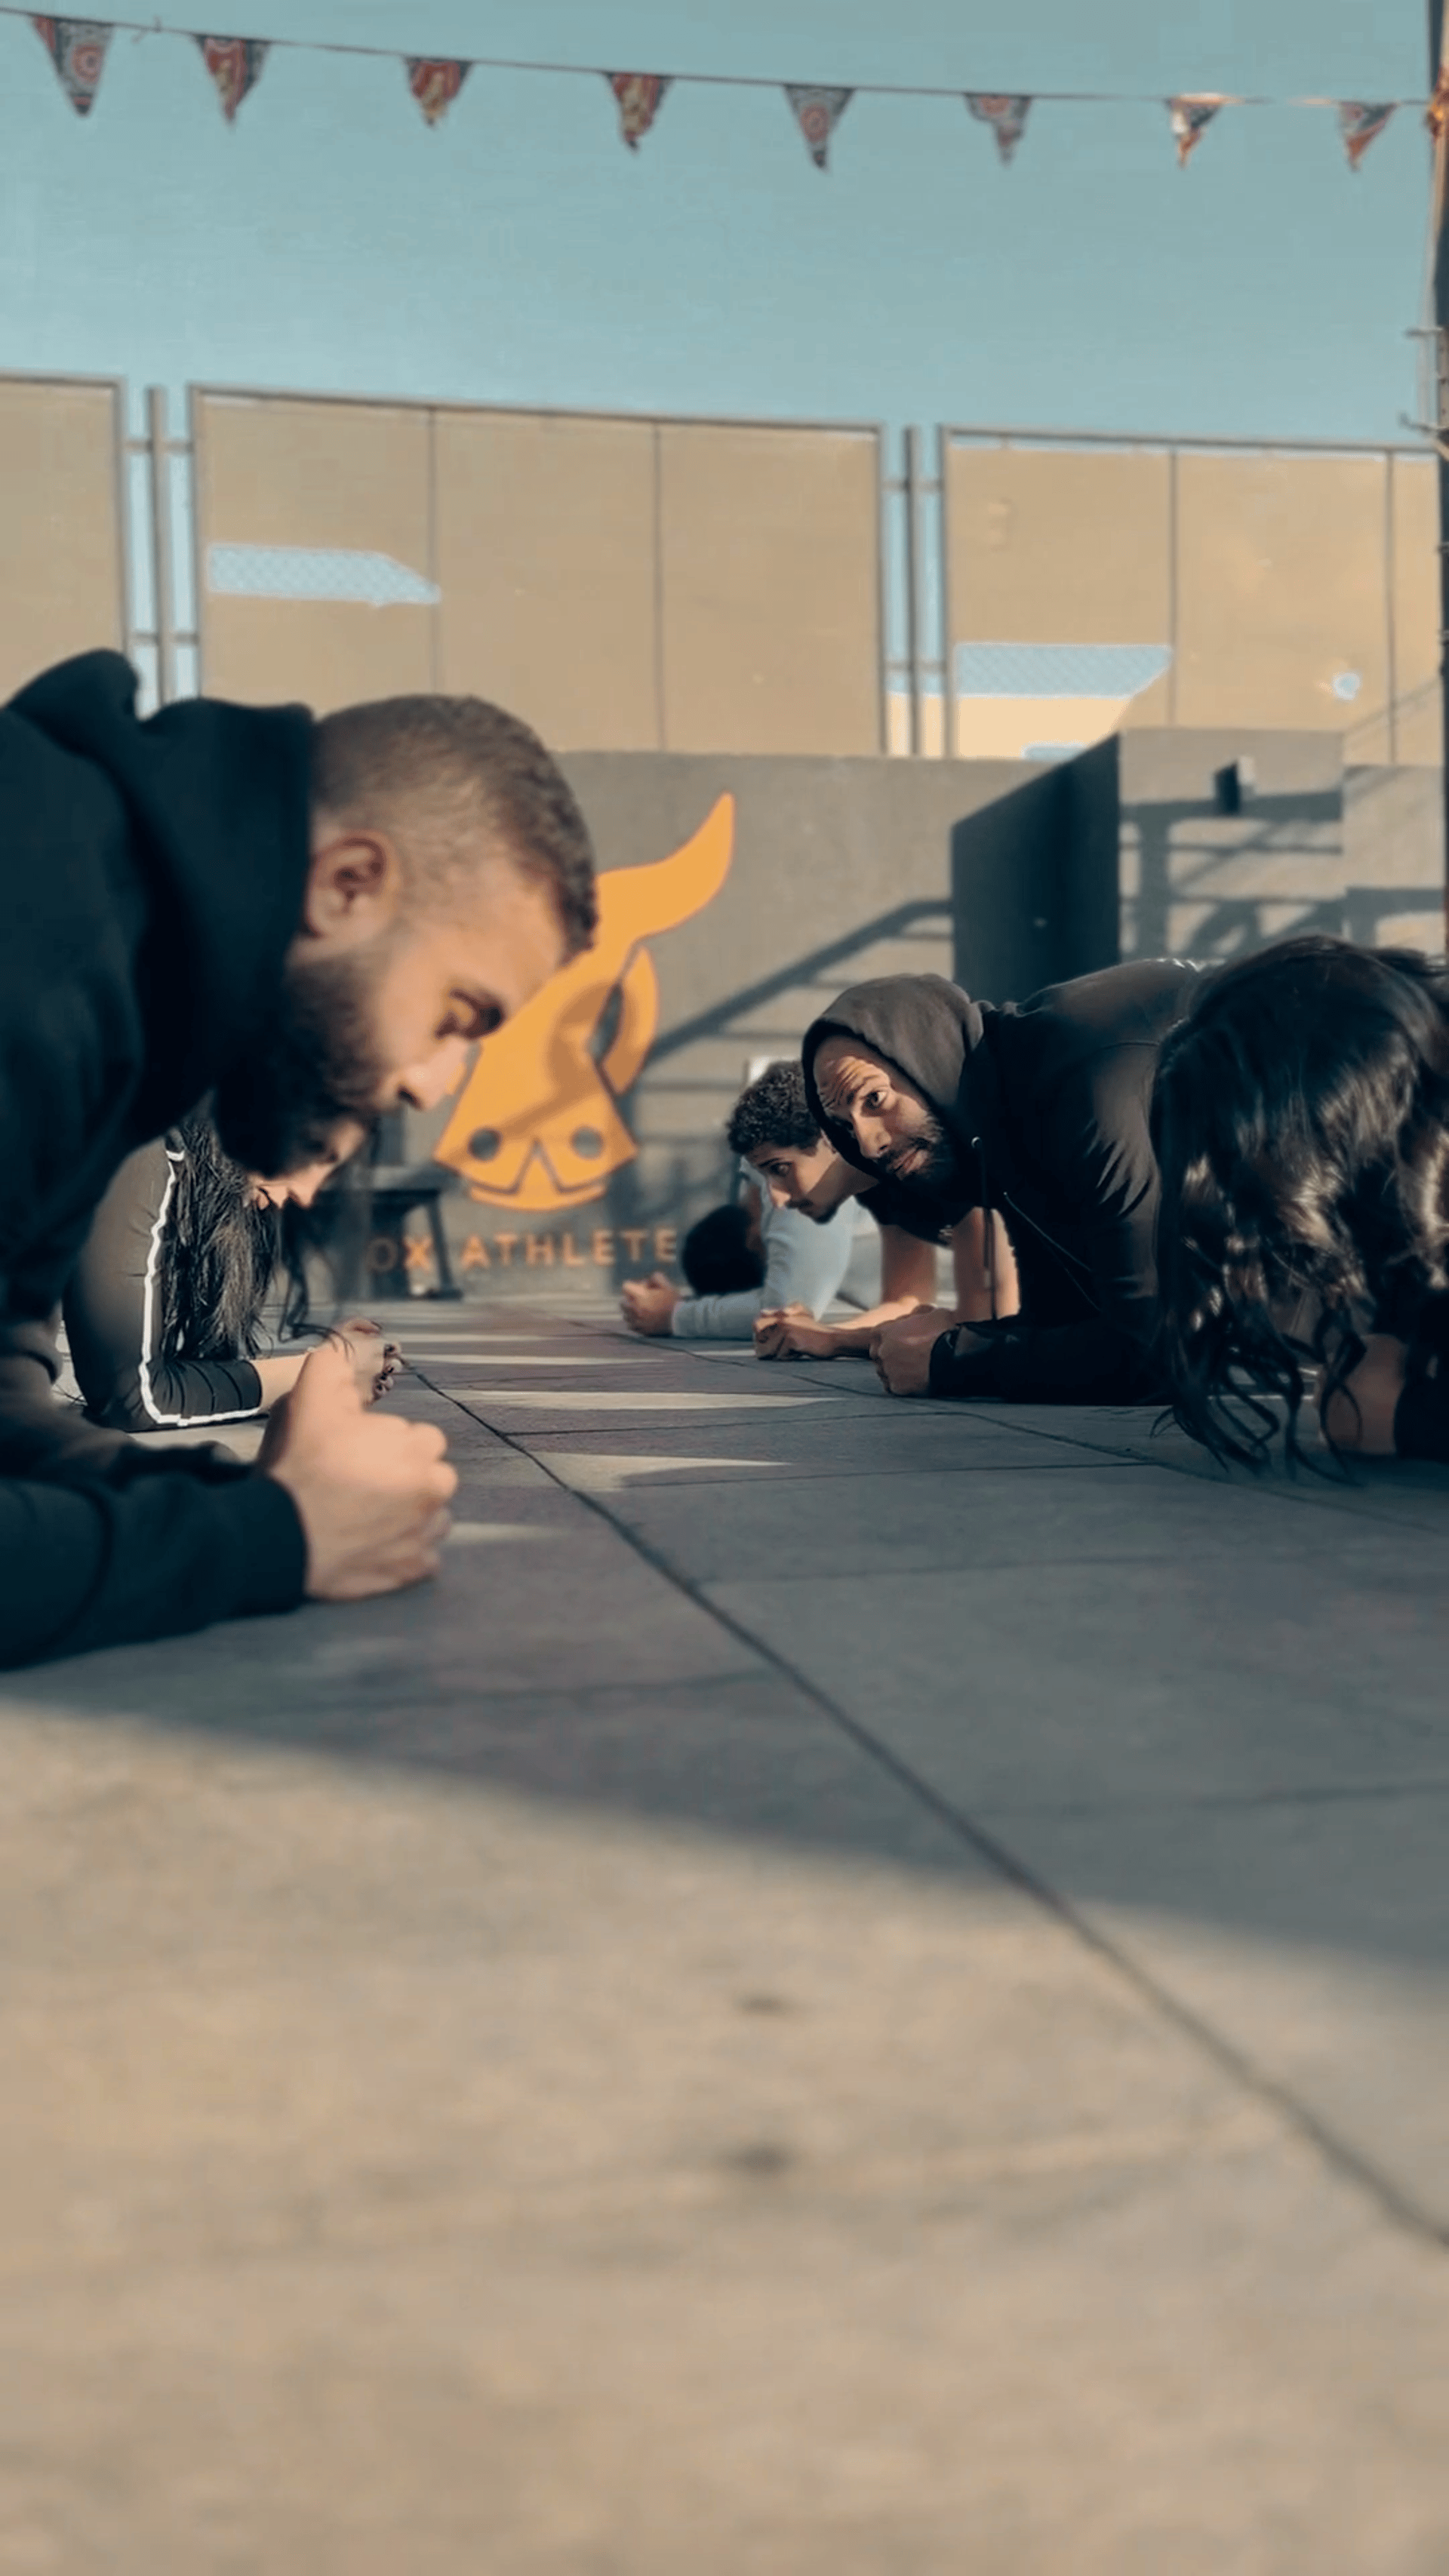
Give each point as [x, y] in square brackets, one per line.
[1010, 728]
[325, 653]
[770, 581]
[61, 575]
[1059, 546]
[1419, 725]
[1152, 705]
[281, 473]
[546, 553]
[1280, 588]
[978, 721]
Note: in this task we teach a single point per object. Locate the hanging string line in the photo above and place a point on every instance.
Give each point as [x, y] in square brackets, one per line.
[720, 80]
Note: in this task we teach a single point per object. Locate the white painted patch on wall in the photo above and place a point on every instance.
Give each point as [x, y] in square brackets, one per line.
[1045, 702]
[1059, 670]
[344, 573]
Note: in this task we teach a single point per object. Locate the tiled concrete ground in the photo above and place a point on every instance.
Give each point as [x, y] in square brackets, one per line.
[860, 1989]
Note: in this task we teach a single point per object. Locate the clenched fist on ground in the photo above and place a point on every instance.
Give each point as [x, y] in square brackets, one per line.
[372, 1491]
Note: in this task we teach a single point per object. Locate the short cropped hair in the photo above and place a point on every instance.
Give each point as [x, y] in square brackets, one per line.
[716, 1256]
[773, 1111]
[455, 779]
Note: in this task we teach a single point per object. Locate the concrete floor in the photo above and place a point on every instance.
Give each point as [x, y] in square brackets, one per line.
[860, 1989]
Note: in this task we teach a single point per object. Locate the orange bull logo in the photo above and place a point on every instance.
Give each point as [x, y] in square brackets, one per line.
[538, 1123]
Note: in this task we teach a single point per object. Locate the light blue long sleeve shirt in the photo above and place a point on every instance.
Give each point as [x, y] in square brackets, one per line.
[804, 1265]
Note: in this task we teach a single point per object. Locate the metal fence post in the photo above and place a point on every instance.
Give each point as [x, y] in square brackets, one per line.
[946, 605]
[913, 587]
[163, 552]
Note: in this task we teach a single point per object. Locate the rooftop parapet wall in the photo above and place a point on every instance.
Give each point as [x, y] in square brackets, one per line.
[1312, 845]
[1000, 873]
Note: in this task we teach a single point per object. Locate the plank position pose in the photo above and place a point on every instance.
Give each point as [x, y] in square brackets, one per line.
[1301, 1117]
[1038, 1113]
[163, 1308]
[307, 923]
[758, 1254]
[778, 1134]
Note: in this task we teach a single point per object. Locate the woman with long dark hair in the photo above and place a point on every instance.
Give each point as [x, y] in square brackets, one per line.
[1301, 1122]
[163, 1311]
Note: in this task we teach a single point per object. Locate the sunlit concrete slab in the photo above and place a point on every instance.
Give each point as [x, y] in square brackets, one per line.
[357, 2203]
[604, 1471]
[857, 1986]
[1311, 1932]
[473, 1356]
[465, 1533]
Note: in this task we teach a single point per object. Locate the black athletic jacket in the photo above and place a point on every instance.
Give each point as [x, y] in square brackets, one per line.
[113, 1314]
[1045, 1103]
[151, 878]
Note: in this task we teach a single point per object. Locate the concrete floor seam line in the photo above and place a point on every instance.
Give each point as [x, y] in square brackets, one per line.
[1392, 2203]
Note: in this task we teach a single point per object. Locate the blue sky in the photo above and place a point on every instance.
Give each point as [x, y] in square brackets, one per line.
[519, 253]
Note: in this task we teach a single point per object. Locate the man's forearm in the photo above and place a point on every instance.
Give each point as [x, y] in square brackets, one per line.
[103, 1543]
[277, 1374]
[857, 1334]
[987, 1286]
[39, 1435]
[90, 1565]
[1093, 1362]
[729, 1317]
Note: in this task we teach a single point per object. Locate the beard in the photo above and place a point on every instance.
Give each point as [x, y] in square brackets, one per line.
[931, 1198]
[924, 1164]
[312, 1062]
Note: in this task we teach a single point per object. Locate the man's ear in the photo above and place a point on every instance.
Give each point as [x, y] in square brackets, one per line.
[354, 886]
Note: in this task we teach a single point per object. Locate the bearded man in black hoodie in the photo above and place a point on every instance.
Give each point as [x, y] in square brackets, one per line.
[306, 923]
[1039, 1111]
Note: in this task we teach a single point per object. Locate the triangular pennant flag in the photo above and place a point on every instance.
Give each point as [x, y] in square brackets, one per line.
[1361, 123]
[434, 83]
[77, 47]
[1006, 117]
[1191, 116]
[235, 64]
[818, 112]
[640, 96]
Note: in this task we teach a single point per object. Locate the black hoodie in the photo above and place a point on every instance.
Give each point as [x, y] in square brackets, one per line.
[1045, 1103]
[152, 880]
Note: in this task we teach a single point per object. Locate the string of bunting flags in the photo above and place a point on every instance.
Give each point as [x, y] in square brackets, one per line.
[78, 46]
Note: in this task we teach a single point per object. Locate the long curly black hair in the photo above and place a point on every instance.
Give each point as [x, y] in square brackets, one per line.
[221, 1254]
[1300, 1118]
